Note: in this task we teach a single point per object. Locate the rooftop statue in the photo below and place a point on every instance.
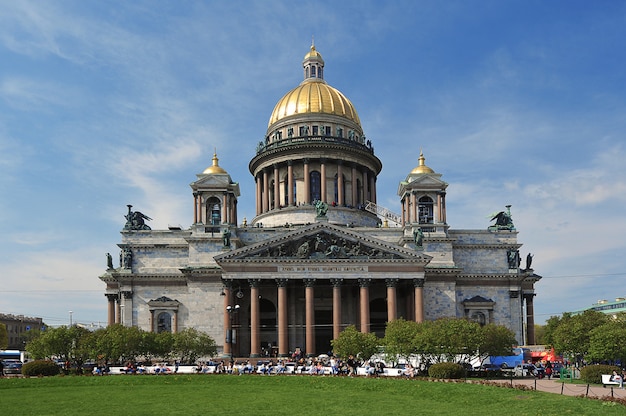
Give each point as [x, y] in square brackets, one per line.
[135, 220]
[504, 220]
[529, 261]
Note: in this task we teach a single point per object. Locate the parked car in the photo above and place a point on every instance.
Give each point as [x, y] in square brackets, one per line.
[12, 367]
[528, 370]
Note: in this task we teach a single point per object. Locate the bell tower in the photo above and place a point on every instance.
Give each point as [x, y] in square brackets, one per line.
[215, 196]
[423, 198]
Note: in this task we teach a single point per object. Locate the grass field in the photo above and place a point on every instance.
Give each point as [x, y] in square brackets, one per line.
[278, 395]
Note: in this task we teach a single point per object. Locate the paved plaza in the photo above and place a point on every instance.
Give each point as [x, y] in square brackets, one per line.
[568, 389]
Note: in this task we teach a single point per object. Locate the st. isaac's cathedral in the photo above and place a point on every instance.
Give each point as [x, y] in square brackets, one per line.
[320, 254]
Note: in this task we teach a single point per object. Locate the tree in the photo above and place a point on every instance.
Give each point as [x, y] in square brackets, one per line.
[191, 344]
[399, 341]
[69, 344]
[157, 345]
[117, 343]
[540, 334]
[355, 343]
[606, 342]
[496, 340]
[572, 335]
[4, 337]
[550, 328]
[452, 340]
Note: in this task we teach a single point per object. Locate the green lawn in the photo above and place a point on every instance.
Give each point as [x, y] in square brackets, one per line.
[278, 395]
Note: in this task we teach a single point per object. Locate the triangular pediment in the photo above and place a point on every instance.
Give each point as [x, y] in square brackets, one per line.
[211, 181]
[320, 242]
[421, 183]
[424, 180]
[478, 299]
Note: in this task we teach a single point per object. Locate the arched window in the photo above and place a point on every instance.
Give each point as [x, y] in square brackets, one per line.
[479, 318]
[316, 186]
[425, 210]
[271, 193]
[164, 322]
[359, 192]
[313, 72]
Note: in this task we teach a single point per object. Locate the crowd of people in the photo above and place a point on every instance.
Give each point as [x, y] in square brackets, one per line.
[297, 363]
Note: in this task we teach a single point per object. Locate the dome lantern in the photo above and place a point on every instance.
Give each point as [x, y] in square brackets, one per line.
[313, 65]
[215, 168]
[421, 167]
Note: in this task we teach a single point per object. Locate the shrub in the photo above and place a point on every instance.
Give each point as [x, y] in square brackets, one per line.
[40, 368]
[593, 373]
[446, 370]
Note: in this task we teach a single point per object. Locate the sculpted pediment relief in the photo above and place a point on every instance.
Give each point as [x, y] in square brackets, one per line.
[319, 242]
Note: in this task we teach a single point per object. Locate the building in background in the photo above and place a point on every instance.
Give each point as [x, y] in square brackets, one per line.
[320, 254]
[607, 307]
[18, 327]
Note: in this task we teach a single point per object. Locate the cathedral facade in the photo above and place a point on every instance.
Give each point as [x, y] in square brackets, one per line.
[320, 254]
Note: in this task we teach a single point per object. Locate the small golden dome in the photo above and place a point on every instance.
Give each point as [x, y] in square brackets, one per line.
[215, 168]
[314, 96]
[313, 54]
[421, 167]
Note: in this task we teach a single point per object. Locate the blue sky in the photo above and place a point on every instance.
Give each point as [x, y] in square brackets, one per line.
[108, 103]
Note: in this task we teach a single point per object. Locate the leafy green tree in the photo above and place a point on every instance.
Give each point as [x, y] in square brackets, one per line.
[356, 343]
[69, 344]
[607, 342]
[157, 345]
[452, 340]
[191, 344]
[82, 340]
[496, 340]
[572, 336]
[4, 337]
[550, 328]
[399, 341]
[540, 334]
[117, 343]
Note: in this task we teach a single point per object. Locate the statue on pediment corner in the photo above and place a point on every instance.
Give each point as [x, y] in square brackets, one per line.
[321, 208]
[504, 220]
[135, 220]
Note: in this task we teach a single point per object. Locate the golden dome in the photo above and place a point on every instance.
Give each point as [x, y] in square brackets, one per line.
[215, 168]
[313, 54]
[314, 96]
[421, 167]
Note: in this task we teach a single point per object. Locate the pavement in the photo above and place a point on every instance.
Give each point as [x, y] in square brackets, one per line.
[566, 388]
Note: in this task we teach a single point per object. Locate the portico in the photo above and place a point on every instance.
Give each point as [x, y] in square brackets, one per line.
[304, 298]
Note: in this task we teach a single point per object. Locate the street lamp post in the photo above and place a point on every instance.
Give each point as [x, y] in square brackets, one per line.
[232, 311]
